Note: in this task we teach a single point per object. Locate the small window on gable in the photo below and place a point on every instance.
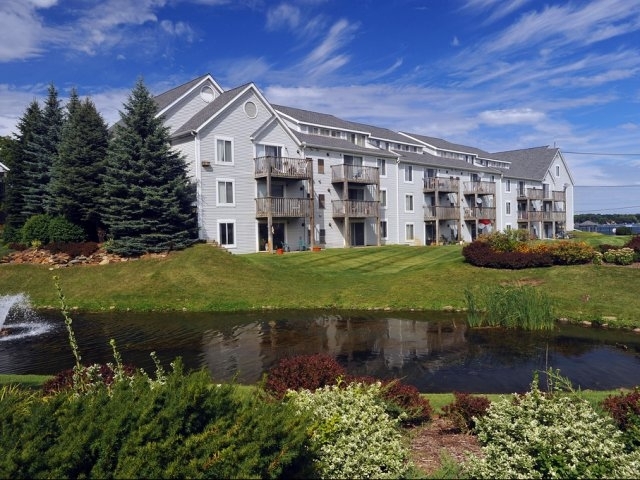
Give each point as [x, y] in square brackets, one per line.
[321, 201]
[321, 165]
[557, 170]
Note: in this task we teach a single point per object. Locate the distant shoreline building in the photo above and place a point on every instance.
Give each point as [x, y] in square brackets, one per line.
[272, 176]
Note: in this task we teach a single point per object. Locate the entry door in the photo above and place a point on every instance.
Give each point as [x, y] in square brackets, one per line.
[357, 234]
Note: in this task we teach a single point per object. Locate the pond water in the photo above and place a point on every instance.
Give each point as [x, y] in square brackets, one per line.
[435, 351]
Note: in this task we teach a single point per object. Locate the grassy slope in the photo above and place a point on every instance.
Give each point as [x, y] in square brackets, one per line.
[204, 278]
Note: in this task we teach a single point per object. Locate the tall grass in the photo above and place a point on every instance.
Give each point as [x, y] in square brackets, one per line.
[523, 307]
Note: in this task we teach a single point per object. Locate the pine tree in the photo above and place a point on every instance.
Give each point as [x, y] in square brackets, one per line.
[148, 198]
[17, 182]
[42, 152]
[7, 149]
[76, 175]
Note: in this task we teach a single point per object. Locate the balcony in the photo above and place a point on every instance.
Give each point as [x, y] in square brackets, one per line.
[283, 207]
[355, 208]
[482, 188]
[282, 167]
[479, 213]
[435, 184]
[432, 212]
[355, 174]
[536, 216]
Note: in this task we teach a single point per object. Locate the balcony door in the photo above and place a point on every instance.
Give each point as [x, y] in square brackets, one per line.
[268, 151]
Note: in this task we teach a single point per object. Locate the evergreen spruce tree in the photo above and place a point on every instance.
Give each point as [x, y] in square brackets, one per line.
[17, 181]
[148, 198]
[7, 149]
[76, 175]
[42, 152]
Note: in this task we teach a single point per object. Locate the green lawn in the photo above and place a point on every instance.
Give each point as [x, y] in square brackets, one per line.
[206, 278]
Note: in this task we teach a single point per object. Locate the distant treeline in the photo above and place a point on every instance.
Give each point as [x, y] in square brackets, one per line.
[604, 218]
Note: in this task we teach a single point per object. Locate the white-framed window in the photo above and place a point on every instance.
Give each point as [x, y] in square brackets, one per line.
[408, 202]
[382, 167]
[383, 229]
[408, 173]
[557, 170]
[224, 151]
[408, 232]
[507, 208]
[507, 185]
[226, 192]
[227, 233]
[383, 198]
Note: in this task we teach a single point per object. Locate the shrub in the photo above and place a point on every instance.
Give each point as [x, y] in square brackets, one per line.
[186, 428]
[623, 231]
[506, 241]
[625, 411]
[308, 372]
[73, 249]
[634, 243]
[402, 401]
[538, 435]
[620, 256]
[353, 437]
[481, 254]
[465, 409]
[36, 229]
[571, 253]
[62, 230]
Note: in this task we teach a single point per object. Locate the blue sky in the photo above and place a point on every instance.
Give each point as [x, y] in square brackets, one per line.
[494, 74]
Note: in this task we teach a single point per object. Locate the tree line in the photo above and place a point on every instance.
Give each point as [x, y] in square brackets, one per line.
[607, 218]
[123, 185]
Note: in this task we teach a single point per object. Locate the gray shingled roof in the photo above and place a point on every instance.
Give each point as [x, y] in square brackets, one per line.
[333, 143]
[210, 110]
[443, 162]
[441, 144]
[167, 98]
[529, 163]
[331, 121]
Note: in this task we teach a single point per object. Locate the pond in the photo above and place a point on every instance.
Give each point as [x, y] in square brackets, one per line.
[435, 351]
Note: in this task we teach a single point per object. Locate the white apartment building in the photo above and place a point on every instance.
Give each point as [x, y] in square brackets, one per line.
[271, 176]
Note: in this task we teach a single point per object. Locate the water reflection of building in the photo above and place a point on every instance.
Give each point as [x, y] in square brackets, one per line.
[369, 344]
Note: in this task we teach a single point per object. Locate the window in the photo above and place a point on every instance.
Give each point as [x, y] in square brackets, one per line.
[557, 170]
[225, 192]
[383, 198]
[321, 165]
[408, 203]
[408, 173]
[382, 167]
[321, 201]
[226, 233]
[224, 151]
[383, 229]
[507, 208]
[408, 232]
[322, 238]
[507, 187]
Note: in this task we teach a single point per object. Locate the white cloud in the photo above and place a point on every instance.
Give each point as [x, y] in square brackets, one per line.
[455, 42]
[284, 15]
[511, 116]
[21, 29]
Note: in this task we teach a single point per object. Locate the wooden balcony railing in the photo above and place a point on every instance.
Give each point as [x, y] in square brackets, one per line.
[355, 174]
[441, 213]
[483, 188]
[536, 216]
[283, 207]
[478, 213]
[355, 208]
[282, 167]
[441, 184]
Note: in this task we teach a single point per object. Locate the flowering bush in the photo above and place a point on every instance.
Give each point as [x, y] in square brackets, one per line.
[538, 435]
[353, 436]
[571, 253]
[620, 256]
